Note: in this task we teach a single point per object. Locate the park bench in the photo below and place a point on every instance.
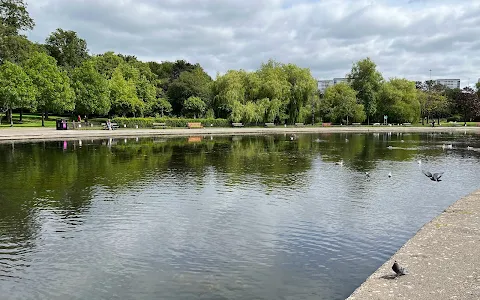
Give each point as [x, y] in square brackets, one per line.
[407, 124]
[162, 125]
[356, 124]
[326, 124]
[269, 124]
[114, 126]
[194, 125]
[376, 124]
[299, 124]
[237, 125]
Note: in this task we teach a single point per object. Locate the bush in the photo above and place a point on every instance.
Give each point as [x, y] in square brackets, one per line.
[170, 122]
[455, 118]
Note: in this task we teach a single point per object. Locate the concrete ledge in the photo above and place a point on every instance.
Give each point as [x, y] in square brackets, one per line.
[9, 134]
[443, 259]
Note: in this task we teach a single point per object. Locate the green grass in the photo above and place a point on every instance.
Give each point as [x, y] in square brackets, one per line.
[29, 120]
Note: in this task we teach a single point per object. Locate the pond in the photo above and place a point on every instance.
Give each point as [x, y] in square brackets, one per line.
[219, 217]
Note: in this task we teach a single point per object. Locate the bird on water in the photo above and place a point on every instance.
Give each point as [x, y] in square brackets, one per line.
[434, 176]
[398, 269]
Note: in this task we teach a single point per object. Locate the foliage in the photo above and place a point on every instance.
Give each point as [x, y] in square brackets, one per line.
[170, 122]
[398, 99]
[367, 81]
[52, 85]
[16, 88]
[468, 103]
[194, 105]
[67, 48]
[340, 103]
[14, 17]
[91, 89]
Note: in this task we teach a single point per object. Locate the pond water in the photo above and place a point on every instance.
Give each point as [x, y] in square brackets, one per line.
[212, 217]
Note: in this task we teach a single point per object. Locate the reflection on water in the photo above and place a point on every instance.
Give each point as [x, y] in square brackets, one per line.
[242, 217]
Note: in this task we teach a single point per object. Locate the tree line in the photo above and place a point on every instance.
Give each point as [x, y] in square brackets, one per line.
[60, 76]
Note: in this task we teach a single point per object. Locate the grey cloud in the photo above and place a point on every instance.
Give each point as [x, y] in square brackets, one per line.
[403, 38]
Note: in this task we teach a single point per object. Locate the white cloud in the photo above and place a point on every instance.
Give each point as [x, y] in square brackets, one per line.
[404, 37]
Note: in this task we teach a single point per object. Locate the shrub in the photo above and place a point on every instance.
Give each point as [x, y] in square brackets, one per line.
[170, 122]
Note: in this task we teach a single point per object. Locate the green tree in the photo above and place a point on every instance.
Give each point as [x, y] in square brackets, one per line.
[52, 85]
[302, 89]
[398, 98]
[67, 48]
[16, 89]
[366, 80]
[161, 106]
[14, 17]
[91, 89]
[194, 105]
[468, 104]
[340, 102]
[123, 94]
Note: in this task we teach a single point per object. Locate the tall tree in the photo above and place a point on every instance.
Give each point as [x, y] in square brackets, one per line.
[195, 106]
[16, 89]
[14, 17]
[398, 98]
[67, 48]
[366, 80]
[123, 94]
[91, 90]
[468, 104]
[340, 102]
[54, 93]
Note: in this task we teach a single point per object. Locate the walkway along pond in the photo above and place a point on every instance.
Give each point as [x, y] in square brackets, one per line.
[442, 260]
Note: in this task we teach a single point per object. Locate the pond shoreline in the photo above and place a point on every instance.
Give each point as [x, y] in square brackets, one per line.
[28, 134]
[442, 259]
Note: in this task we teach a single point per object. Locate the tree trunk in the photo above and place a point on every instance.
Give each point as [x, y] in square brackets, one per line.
[423, 120]
[438, 121]
[11, 118]
[368, 120]
[43, 119]
[347, 120]
[21, 115]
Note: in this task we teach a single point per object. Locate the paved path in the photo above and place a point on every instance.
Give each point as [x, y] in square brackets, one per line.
[443, 259]
[51, 133]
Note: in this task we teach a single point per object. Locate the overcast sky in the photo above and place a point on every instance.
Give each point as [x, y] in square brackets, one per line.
[406, 38]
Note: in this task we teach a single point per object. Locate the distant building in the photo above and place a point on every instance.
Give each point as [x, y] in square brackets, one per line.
[324, 84]
[338, 80]
[450, 83]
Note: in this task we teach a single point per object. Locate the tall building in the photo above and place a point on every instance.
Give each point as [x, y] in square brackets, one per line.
[324, 84]
[450, 83]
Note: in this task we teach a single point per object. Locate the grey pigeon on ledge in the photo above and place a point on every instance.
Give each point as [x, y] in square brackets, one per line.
[398, 270]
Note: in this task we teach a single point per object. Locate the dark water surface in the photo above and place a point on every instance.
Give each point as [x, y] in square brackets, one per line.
[243, 217]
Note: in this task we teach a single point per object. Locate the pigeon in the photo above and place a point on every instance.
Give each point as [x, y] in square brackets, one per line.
[340, 163]
[419, 161]
[367, 174]
[389, 174]
[434, 176]
[398, 270]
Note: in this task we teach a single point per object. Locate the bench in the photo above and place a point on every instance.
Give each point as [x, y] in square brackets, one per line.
[269, 124]
[114, 126]
[237, 125]
[326, 124]
[376, 124]
[162, 125]
[194, 125]
[356, 124]
[299, 124]
[407, 124]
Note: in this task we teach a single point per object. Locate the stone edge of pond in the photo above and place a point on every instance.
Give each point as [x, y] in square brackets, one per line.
[442, 259]
[27, 134]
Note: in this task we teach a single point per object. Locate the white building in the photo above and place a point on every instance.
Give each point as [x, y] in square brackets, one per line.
[324, 84]
[338, 80]
[450, 83]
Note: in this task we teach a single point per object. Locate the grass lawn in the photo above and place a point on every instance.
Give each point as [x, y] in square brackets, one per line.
[29, 120]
